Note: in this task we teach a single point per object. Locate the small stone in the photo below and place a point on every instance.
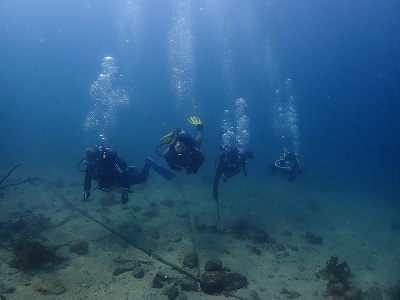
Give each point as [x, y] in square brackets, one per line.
[190, 260]
[353, 293]
[213, 265]
[212, 282]
[294, 294]
[254, 295]
[50, 287]
[189, 285]
[138, 272]
[172, 292]
[79, 247]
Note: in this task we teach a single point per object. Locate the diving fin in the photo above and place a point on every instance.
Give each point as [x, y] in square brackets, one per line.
[168, 138]
[167, 174]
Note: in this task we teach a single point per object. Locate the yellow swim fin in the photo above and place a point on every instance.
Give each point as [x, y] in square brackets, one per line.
[168, 138]
[194, 120]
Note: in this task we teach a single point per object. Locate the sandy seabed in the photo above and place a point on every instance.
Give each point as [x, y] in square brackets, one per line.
[169, 220]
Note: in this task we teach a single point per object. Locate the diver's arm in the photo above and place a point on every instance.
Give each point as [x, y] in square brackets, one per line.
[124, 180]
[87, 185]
[199, 138]
[88, 181]
[118, 172]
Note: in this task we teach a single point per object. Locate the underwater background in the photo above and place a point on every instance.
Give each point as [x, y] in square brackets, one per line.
[320, 78]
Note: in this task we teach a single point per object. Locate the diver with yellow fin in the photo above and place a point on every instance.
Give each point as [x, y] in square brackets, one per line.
[184, 151]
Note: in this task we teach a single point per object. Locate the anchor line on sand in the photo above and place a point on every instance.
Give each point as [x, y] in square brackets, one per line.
[190, 226]
[149, 252]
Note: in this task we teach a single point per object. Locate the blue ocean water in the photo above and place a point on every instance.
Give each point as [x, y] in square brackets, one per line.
[318, 78]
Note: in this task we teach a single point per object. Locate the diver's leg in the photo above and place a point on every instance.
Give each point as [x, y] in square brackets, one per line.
[136, 177]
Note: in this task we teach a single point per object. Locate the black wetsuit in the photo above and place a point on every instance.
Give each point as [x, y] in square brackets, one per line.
[289, 169]
[191, 160]
[109, 171]
[230, 163]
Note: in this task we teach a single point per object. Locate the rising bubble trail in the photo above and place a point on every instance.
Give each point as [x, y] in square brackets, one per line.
[106, 98]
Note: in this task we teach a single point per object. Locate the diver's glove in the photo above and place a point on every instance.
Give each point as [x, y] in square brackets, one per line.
[86, 194]
[125, 196]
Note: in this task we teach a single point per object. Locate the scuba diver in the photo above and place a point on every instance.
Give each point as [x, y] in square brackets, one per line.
[110, 171]
[287, 165]
[183, 151]
[231, 161]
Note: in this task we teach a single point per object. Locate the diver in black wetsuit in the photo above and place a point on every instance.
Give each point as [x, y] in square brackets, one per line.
[184, 151]
[109, 171]
[231, 161]
[287, 165]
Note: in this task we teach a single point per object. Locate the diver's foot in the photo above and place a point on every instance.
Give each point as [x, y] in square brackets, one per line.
[150, 161]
